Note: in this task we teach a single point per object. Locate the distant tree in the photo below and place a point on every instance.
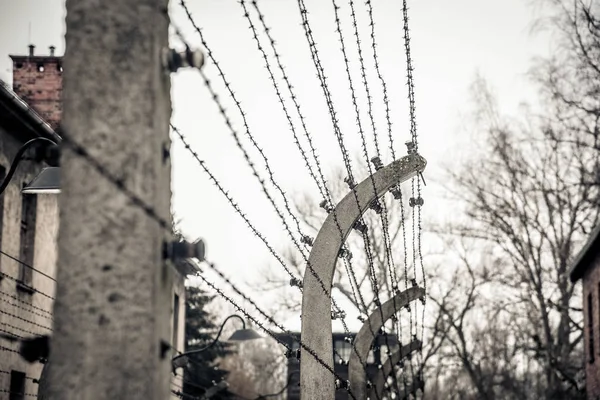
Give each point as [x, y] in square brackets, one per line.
[200, 330]
[527, 207]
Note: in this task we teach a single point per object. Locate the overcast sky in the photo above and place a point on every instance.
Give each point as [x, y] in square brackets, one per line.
[452, 42]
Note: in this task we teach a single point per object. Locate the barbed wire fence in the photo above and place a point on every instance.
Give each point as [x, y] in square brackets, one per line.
[301, 241]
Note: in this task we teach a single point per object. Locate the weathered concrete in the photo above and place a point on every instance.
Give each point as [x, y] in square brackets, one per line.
[316, 382]
[387, 368]
[365, 337]
[114, 291]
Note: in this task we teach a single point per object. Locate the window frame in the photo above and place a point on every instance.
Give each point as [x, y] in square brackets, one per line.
[27, 235]
[17, 378]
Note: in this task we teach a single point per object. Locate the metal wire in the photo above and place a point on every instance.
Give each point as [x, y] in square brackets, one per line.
[384, 213]
[48, 313]
[20, 329]
[26, 377]
[19, 281]
[2, 348]
[271, 334]
[18, 393]
[381, 79]
[247, 131]
[378, 204]
[25, 320]
[27, 265]
[230, 126]
[231, 201]
[277, 90]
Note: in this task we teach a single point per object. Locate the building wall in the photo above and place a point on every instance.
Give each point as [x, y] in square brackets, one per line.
[24, 312]
[591, 291]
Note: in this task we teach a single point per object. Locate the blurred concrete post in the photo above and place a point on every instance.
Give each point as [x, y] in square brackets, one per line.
[114, 289]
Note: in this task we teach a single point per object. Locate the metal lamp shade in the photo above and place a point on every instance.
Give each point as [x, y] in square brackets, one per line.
[242, 335]
[47, 182]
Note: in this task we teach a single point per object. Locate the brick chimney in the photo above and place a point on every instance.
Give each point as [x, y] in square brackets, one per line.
[38, 80]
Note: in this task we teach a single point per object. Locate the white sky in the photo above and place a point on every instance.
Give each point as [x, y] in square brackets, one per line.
[451, 42]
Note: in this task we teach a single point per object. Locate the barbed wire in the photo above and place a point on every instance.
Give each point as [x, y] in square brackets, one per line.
[323, 83]
[323, 80]
[234, 133]
[9, 333]
[409, 76]
[26, 377]
[365, 81]
[48, 313]
[18, 393]
[25, 320]
[321, 75]
[230, 200]
[269, 318]
[381, 79]
[277, 90]
[118, 182]
[214, 95]
[383, 206]
[238, 210]
[337, 130]
[8, 349]
[27, 265]
[377, 204]
[272, 335]
[18, 328]
[326, 195]
[413, 127]
[232, 129]
[25, 285]
[322, 185]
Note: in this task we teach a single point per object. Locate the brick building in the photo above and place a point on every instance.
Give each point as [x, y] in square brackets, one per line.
[38, 81]
[344, 349]
[587, 268]
[29, 225]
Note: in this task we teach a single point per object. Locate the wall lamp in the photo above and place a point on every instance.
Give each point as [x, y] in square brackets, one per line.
[48, 180]
[240, 335]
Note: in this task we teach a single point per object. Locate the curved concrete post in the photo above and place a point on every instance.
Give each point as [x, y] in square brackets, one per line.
[376, 391]
[316, 382]
[365, 337]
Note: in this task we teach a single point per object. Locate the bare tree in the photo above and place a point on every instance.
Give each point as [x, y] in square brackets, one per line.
[523, 196]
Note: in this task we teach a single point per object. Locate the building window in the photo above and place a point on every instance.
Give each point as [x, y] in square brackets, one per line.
[17, 385]
[175, 321]
[28, 218]
[590, 311]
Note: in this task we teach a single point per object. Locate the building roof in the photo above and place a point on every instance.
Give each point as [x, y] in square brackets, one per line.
[587, 254]
[17, 117]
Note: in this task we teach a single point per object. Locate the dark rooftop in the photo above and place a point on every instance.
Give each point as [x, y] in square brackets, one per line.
[586, 255]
